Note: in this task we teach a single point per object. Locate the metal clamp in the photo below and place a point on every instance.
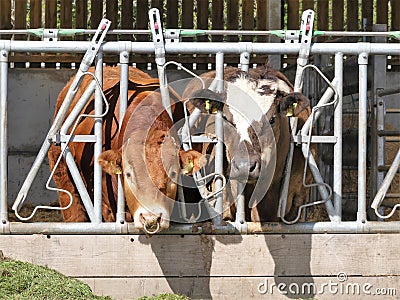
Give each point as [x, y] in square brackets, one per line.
[159, 50]
[158, 37]
[292, 36]
[50, 35]
[172, 36]
[96, 43]
[306, 31]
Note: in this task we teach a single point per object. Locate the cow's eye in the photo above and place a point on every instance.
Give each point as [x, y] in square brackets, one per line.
[272, 120]
[128, 175]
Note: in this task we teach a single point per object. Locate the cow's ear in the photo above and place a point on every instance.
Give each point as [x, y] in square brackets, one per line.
[208, 101]
[293, 104]
[110, 161]
[191, 161]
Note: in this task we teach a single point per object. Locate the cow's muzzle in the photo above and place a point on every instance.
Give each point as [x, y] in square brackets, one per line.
[151, 223]
[245, 167]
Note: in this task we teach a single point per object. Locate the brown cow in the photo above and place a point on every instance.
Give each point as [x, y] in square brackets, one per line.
[256, 138]
[145, 152]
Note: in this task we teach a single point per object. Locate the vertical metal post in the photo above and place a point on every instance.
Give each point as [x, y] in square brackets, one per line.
[337, 148]
[123, 104]
[124, 77]
[240, 201]
[219, 131]
[3, 135]
[362, 138]
[98, 146]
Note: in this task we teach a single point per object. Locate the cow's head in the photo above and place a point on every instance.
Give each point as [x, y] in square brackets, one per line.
[149, 162]
[258, 107]
[150, 174]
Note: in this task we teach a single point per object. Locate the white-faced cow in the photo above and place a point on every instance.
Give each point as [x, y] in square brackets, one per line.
[256, 138]
[144, 151]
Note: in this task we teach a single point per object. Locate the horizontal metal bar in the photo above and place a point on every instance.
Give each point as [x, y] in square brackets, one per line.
[389, 91]
[394, 139]
[72, 32]
[200, 47]
[64, 138]
[201, 139]
[385, 168]
[326, 227]
[387, 110]
[394, 34]
[392, 195]
[230, 228]
[85, 228]
[68, 31]
[388, 133]
[315, 139]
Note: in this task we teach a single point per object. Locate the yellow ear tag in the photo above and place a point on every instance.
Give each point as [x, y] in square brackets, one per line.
[116, 169]
[208, 105]
[188, 168]
[291, 109]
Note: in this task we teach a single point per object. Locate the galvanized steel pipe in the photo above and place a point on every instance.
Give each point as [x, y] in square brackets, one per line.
[201, 47]
[369, 227]
[219, 132]
[362, 137]
[3, 135]
[98, 145]
[337, 148]
[123, 104]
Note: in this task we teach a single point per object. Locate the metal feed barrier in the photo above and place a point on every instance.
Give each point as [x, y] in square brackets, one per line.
[300, 43]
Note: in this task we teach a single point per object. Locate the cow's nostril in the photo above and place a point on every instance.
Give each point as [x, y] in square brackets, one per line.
[150, 220]
[254, 167]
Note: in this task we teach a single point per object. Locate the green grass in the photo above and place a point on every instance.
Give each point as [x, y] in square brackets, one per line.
[19, 281]
[25, 281]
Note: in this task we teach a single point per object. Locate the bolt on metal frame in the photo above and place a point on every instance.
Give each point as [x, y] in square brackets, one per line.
[363, 50]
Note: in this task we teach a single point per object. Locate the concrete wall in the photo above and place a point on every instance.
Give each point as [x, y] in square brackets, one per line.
[32, 94]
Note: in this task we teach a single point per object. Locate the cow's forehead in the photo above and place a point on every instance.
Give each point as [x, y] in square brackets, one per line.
[248, 100]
